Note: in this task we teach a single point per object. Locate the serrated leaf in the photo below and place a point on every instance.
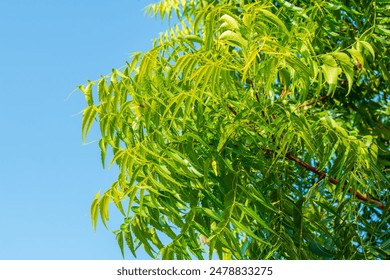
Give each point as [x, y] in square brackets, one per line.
[320, 250]
[142, 235]
[194, 38]
[229, 22]
[272, 18]
[255, 217]
[382, 29]
[89, 114]
[103, 149]
[330, 69]
[211, 214]
[119, 239]
[233, 37]
[227, 132]
[358, 57]
[95, 210]
[347, 67]
[129, 242]
[88, 92]
[103, 209]
[368, 47]
[248, 231]
[247, 19]
[167, 253]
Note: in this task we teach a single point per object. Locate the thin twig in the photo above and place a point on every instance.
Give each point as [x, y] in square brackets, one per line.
[232, 110]
[313, 102]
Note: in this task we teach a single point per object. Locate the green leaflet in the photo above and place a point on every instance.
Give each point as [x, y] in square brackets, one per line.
[88, 92]
[95, 210]
[120, 240]
[358, 57]
[331, 72]
[255, 217]
[210, 213]
[103, 150]
[347, 67]
[130, 243]
[321, 251]
[88, 118]
[227, 213]
[226, 134]
[209, 32]
[247, 231]
[103, 208]
[229, 22]
[233, 38]
[366, 46]
[273, 19]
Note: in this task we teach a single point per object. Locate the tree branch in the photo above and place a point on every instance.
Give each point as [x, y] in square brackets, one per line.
[313, 102]
[321, 174]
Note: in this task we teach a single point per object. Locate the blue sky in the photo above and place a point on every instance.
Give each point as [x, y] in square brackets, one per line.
[47, 176]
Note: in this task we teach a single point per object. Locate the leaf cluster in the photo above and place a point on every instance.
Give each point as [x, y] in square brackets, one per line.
[251, 130]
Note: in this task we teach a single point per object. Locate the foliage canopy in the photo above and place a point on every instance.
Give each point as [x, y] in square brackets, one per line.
[252, 130]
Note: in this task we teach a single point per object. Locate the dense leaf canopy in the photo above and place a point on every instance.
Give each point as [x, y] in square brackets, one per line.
[252, 130]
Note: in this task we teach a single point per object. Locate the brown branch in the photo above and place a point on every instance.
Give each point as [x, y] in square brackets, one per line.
[313, 102]
[232, 110]
[358, 195]
[310, 168]
[321, 174]
[250, 83]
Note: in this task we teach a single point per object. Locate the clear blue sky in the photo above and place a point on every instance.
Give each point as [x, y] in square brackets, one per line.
[47, 176]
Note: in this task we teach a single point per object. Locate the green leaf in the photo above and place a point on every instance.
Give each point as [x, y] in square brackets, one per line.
[88, 92]
[129, 242]
[167, 253]
[89, 114]
[95, 210]
[383, 29]
[229, 22]
[273, 19]
[368, 47]
[232, 37]
[256, 218]
[330, 70]
[119, 239]
[347, 66]
[320, 250]
[103, 208]
[226, 134]
[103, 150]
[358, 57]
[248, 231]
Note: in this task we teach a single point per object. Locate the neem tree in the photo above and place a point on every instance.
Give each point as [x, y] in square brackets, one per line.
[252, 130]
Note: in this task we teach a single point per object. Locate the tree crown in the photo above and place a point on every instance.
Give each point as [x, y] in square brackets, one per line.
[252, 130]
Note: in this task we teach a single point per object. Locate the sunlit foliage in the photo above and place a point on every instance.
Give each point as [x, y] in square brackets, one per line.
[251, 130]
